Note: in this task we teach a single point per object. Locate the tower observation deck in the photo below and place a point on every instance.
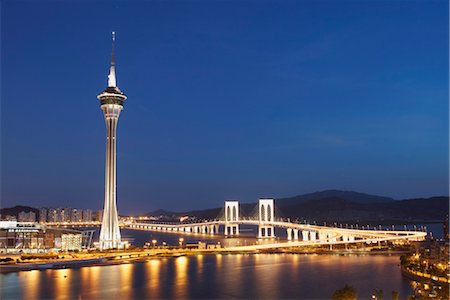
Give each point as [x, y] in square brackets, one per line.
[111, 102]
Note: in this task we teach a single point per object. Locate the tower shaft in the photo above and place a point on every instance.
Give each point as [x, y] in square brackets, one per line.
[110, 232]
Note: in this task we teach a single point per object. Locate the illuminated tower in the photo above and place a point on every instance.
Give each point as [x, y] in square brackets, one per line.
[111, 102]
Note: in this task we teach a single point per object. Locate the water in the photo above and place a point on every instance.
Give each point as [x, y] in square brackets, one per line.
[252, 276]
[249, 276]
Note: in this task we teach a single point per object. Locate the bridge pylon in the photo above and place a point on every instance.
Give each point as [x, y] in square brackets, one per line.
[266, 218]
[231, 217]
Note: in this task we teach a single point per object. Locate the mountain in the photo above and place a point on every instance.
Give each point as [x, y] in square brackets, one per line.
[161, 212]
[345, 195]
[344, 206]
[342, 210]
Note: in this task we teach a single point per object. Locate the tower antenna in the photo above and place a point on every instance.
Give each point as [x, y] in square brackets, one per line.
[112, 70]
[112, 50]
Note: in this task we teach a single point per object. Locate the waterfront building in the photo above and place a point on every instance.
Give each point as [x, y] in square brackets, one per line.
[26, 237]
[27, 216]
[71, 241]
[111, 102]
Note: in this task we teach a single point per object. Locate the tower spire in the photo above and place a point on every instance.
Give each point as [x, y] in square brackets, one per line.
[112, 70]
[111, 102]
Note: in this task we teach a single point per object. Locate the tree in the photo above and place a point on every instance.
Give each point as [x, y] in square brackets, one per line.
[346, 293]
[395, 295]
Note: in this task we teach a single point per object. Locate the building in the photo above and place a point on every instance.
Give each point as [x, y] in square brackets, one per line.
[27, 216]
[25, 237]
[87, 215]
[76, 215]
[43, 215]
[9, 218]
[111, 102]
[52, 215]
[99, 215]
[71, 241]
[445, 227]
[63, 215]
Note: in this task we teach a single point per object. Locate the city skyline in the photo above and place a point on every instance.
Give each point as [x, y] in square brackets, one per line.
[232, 107]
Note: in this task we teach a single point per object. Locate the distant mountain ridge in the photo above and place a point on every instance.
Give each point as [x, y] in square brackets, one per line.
[344, 206]
[346, 195]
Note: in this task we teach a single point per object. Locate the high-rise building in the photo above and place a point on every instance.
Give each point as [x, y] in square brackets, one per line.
[27, 216]
[75, 215]
[87, 215]
[99, 215]
[52, 215]
[63, 215]
[111, 102]
[43, 215]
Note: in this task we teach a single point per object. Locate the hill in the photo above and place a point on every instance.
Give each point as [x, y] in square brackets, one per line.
[344, 206]
[328, 194]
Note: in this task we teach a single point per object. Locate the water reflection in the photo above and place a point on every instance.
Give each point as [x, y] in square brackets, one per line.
[199, 266]
[126, 281]
[264, 276]
[181, 277]
[62, 280]
[31, 290]
[153, 268]
[89, 278]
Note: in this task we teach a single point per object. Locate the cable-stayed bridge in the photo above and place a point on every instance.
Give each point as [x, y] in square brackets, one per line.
[297, 234]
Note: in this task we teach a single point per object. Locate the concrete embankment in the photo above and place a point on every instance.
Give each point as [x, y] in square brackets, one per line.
[50, 265]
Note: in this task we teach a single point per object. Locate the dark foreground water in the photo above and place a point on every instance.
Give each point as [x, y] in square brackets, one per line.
[268, 276]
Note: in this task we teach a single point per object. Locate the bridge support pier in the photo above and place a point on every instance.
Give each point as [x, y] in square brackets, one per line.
[305, 235]
[289, 233]
[231, 229]
[231, 217]
[265, 232]
[266, 218]
[295, 234]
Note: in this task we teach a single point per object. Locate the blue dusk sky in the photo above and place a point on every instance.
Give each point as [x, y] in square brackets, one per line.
[226, 100]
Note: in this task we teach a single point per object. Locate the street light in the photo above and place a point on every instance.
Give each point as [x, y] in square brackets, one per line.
[154, 243]
[180, 241]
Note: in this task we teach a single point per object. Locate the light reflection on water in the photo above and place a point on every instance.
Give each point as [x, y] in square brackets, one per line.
[153, 268]
[266, 276]
[33, 280]
[181, 277]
